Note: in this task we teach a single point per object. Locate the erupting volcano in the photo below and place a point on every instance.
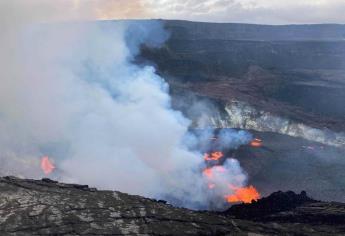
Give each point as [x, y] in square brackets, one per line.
[235, 193]
[177, 123]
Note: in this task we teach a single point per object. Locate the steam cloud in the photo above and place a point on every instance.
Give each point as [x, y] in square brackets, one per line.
[70, 91]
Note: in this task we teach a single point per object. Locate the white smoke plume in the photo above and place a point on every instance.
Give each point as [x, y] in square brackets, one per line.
[70, 91]
[207, 139]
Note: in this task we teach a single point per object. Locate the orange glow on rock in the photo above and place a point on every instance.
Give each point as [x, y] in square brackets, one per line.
[246, 195]
[46, 165]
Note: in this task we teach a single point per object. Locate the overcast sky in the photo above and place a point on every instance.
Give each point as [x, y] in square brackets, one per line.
[244, 11]
[249, 11]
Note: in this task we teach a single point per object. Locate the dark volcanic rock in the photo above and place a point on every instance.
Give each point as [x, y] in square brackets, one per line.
[296, 72]
[46, 207]
[276, 202]
[292, 208]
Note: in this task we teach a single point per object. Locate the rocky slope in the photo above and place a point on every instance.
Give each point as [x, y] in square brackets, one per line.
[46, 207]
[295, 73]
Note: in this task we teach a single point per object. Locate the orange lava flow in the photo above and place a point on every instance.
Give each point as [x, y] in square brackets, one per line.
[46, 165]
[246, 195]
[214, 156]
[256, 143]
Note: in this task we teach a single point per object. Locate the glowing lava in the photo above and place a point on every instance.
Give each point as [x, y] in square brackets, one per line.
[256, 143]
[46, 165]
[208, 172]
[216, 175]
[214, 156]
[246, 195]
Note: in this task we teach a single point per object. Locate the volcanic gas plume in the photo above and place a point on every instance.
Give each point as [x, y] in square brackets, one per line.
[70, 93]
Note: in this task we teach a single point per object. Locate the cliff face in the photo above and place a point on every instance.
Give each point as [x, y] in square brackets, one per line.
[30, 207]
[293, 72]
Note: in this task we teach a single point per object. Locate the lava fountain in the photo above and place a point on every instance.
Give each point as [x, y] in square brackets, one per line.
[46, 165]
[245, 194]
[236, 193]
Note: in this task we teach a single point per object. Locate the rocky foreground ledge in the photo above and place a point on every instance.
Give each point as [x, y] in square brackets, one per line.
[46, 207]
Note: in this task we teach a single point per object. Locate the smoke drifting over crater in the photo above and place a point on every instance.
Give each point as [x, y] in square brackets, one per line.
[70, 92]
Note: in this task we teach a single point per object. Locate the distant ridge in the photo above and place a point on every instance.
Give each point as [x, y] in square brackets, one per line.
[239, 31]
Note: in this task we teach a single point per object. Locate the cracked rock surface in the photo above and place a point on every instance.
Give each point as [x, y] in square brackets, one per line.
[46, 207]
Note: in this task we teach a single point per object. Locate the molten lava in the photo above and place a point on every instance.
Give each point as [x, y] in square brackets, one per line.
[46, 165]
[246, 195]
[256, 143]
[208, 172]
[215, 169]
[214, 156]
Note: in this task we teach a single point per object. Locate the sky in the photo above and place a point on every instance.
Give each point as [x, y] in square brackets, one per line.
[274, 12]
[244, 11]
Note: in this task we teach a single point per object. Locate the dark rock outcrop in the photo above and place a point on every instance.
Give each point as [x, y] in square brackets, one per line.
[275, 203]
[292, 208]
[46, 207]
